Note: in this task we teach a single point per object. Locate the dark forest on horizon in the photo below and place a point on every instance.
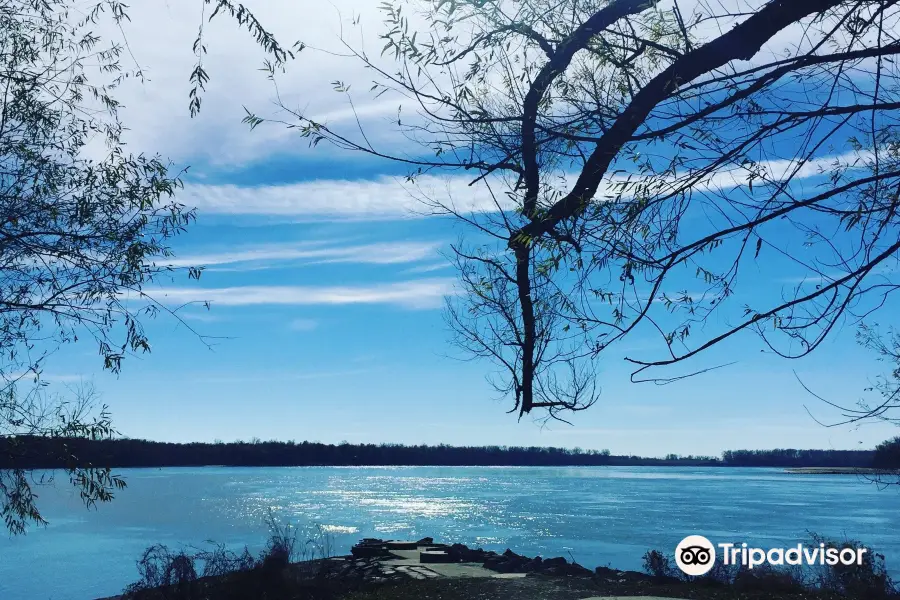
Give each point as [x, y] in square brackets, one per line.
[49, 453]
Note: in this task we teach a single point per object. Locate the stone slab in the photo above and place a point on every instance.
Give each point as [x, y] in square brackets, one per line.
[402, 545]
[434, 556]
[412, 555]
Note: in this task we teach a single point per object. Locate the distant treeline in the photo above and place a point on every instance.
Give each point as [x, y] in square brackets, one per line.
[798, 458]
[46, 453]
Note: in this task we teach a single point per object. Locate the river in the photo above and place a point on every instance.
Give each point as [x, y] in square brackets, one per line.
[599, 515]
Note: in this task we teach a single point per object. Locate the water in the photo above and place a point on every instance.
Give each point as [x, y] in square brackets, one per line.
[598, 515]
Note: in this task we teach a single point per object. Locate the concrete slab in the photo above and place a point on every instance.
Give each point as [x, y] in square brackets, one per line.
[455, 570]
[461, 570]
[402, 545]
[409, 563]
[412, 555]
[434, 556]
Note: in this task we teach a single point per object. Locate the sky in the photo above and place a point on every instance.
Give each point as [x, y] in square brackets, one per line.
[326, 285]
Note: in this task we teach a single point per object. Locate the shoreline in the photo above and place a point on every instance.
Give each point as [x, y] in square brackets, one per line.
[123, 453]
[839, 471]
[784, 469]
[380, 569]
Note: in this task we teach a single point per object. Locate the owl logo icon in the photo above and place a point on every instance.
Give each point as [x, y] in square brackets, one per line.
[695, 555]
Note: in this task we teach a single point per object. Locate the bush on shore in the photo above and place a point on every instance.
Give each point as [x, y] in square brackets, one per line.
[217, 572]
[289, 568]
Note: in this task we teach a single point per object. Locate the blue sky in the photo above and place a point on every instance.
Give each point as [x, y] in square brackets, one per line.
[326, 292]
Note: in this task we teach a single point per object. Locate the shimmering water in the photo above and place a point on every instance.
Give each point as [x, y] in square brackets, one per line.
[599, 515]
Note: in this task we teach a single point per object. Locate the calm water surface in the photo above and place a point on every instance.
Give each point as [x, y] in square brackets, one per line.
[601, 515]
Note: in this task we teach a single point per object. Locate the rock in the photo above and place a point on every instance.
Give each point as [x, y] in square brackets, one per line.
[554, 566]
[492, 562]
[505, 566]
[534, 565]
[576, 570]
[478, 555]
[559, 561]
[368, 549]
[507, 563]
[425, 541]
[457, 552]
[402, 545]
[462, 553]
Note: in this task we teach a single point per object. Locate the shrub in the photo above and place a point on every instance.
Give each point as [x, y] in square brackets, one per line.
[657, 564]
[221, 561]
[720, 574]
[868, 580]
[172, 573]
[766, 578]
[319, 545]
[168, 575]
[279, 551]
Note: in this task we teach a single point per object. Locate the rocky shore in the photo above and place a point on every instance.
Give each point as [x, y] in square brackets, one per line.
[379, 569]
[381, 560]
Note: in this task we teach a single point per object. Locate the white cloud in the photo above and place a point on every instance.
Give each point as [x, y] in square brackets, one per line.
[416, 294]
[202, 317]
[383, 197]
[781, 169]
[393, 197]
[303, 325]
[156, 110]
[266, 255]
[429, 268]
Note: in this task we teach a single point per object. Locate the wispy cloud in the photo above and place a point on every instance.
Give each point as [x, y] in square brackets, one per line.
[155, 110]
[268, 255]
[33, 376]
[202, 317]
[780, 170]
[383, 197]
[303, 325]
[394, 198]
[67, 378]
[416, 294]
[813, 278]
[429, 268]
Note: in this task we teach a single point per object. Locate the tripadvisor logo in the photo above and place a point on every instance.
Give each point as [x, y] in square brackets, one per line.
[696, 555]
